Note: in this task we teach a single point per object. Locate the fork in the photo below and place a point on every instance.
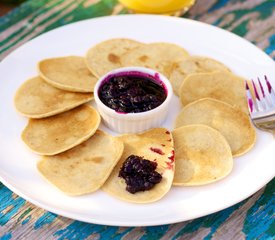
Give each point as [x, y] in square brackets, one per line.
[262, 109]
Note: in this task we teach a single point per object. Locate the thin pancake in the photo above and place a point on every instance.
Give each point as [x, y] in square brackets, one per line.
[202, 155]
[231, 122]
[193, 64]
[56, 134]
[106, 55]
[67, 73]
[84, 168]
[158, 56]
[154, 145]
[38, 99]
[220, 85]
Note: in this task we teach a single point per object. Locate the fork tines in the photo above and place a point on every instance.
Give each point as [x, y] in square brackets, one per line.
[264, 103]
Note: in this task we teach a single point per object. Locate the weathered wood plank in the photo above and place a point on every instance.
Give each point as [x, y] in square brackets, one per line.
[213, 226]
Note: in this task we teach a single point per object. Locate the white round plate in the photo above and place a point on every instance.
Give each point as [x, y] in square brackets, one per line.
[18, 165]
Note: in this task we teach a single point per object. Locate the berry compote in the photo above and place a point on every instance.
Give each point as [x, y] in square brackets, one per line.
[132, 93]
[139, 174]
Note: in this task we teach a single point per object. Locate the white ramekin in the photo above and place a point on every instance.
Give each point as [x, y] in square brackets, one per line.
[133, 122]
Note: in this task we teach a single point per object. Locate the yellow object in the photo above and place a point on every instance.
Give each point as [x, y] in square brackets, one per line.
[157, 6]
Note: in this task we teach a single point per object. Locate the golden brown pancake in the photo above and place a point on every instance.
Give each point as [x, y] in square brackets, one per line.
[220, 85]
[193, 64]
[84, 168]
[106, 55]
[67, 73]
[231, 122]
[157, 56]
[202, 155]
[56, 134]
[38, 99]
[154, 145]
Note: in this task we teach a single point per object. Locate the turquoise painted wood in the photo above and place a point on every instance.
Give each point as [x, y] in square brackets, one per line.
[253, 218]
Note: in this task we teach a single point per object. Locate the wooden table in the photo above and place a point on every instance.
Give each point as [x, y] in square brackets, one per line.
[253, 218]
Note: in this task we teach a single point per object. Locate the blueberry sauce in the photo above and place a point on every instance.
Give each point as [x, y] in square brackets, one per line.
[157, 150]
[170, 163]
[132, 92]
[139, 174]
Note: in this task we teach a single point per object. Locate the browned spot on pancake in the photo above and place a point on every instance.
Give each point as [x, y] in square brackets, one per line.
[72, 166]
[94, 159]
[113, 58]
[143, 58]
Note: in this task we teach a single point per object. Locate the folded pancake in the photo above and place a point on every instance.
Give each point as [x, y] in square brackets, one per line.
[56, 134]
[154, 145]
[193, 64]
[106, 55]
[231, 122]
[202, 155]
[84, 168]
[220, 85]
[38, 99]
[67, 73]
[158, 56]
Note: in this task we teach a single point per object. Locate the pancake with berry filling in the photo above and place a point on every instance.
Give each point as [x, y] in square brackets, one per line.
[231, 122]
[202, 155]
[38, 99]
[155, 145]
[193, 64]
[56, 134]
[67, 73]
[158, 56]
[220, 85]
[84, 168]
[106, 56]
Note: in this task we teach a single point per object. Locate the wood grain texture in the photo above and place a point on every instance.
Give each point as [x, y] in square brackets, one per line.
[253, 218]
